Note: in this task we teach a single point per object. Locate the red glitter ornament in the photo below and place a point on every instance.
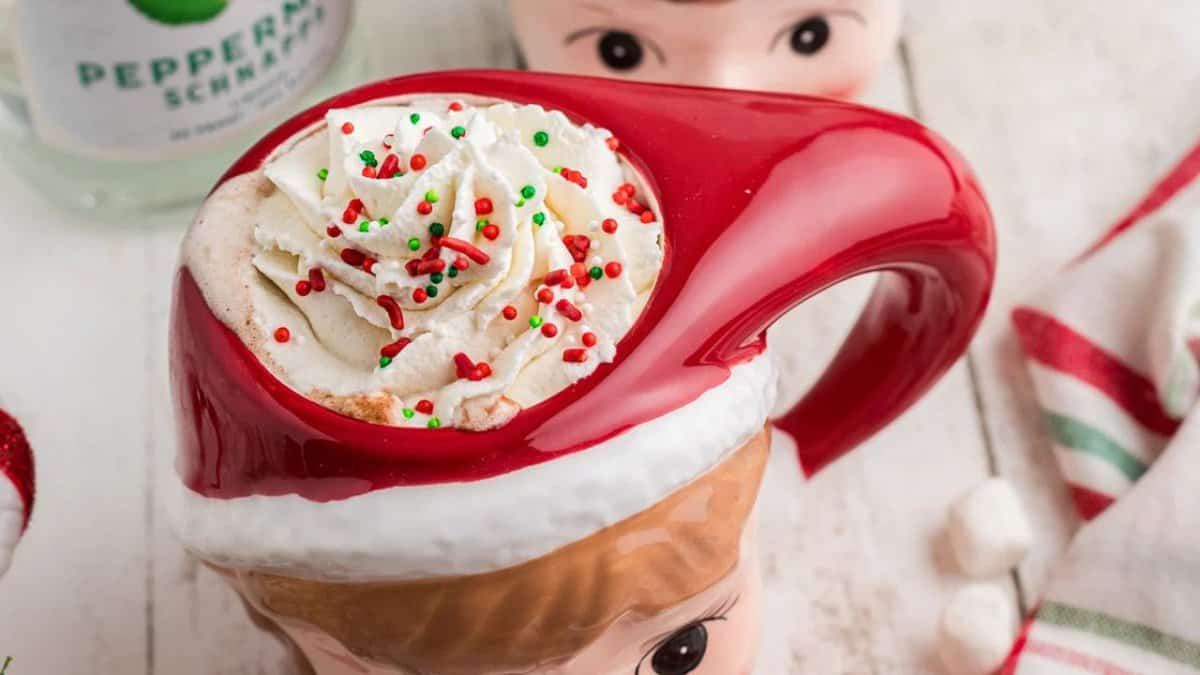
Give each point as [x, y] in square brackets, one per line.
[589, 340]
[509, 312]
[395, 315]
[545, 296]
[393, 350]
[425, 406]
[333, 231]
[418, 162]
[491, 231]
[352, 257]
[549, 330]
[316, 279]
[347, 128]
[613, 269]
[477, 256]
[609, 225]
[282, 334]
[575, 355]
[303, 288]
[424, 208]
[568, 310]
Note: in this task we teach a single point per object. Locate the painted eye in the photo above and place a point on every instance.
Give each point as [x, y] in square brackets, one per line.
[621, 51]
[811, 35]
[682, 652]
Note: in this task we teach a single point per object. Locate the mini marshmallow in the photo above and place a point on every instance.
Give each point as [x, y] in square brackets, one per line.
[989, 530]
[977, 630]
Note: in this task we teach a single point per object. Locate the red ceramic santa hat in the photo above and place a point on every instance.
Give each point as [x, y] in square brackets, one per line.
[16, 487]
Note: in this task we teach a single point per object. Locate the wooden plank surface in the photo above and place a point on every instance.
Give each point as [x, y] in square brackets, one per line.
[1067, 112]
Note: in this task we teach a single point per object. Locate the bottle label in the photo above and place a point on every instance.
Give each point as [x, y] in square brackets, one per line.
[156, 79]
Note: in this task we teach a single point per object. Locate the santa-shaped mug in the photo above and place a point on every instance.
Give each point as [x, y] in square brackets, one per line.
[814, 47]
[469, 367]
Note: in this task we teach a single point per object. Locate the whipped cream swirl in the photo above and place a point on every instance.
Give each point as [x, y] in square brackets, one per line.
[445, 264]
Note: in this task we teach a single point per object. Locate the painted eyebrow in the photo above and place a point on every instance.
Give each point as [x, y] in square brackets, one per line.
[848, 13]
[594, 30]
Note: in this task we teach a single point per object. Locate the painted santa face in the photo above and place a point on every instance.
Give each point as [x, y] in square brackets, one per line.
[827, 48]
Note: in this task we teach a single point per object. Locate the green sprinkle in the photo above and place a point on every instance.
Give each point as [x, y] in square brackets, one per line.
[535, 321]
[437, 277]
[558, 169]
[383, 221]
[480, 224]
[437, 229]
[458, 132]
[541, 139]
[431, 290]
[385, 361]
[539, 219]
[414, 118]
[368, 158]
[364, 226]
[323, 174]
[433, 423]
[414, 244]
[452, 272]
[528, 192]
[408, 413]
[431, 196]
[596, 272]
[520, 203]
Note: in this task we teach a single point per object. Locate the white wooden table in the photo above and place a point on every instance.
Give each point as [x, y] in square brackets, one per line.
[1068, 111]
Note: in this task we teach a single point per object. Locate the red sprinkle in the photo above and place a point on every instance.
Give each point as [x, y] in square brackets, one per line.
[483, 206]
[613, 269]
[430, 266]
[395, 316]
[628, 189]
[568, 310]
[613, 143]
[316, 279]
[484, 369]
[369, 172]
[463, 364]
[461, 263]
[491, 232]
[509, 312]
[419, 295]
[575, 355]
[333, 231]
[389, 141]
[549, 330]
[545, 296]
[349, 216]
[357, 205]
[352, 257]
[369, 265]
[584, 281]
[477, 256]
[609, 225]
[390, 166]
[432, 253]
[418, 162]
[555, 277]
[648, 217]
[347, 128]
[394, 349]
[282, 334]
[620, 197]
[303, 288]
[579, 270]
[456, 106]
[568, 282]
[574, 177]
[425, 406]
[635, 207]
[424, 208]
[411, 266]
[589, 339]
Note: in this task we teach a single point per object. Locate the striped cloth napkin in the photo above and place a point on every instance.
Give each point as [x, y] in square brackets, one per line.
[1113, 355]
